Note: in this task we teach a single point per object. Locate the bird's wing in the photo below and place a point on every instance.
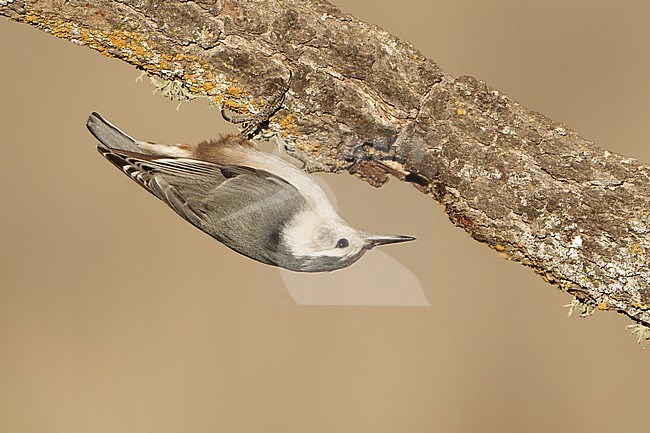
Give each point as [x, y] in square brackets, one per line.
[243, 207]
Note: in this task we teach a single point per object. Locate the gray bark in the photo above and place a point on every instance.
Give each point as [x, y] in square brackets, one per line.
[365, 102]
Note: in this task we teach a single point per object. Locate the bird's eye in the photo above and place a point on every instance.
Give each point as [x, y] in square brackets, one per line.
[342, 243]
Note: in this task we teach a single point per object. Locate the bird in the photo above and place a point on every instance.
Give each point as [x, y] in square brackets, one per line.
[251, 201]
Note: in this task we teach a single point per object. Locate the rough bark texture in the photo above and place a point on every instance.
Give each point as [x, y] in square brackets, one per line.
[365, 102]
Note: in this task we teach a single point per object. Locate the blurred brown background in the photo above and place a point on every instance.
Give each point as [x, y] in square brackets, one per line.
[117, 316]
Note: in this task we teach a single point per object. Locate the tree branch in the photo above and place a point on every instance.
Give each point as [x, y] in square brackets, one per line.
[365, 102]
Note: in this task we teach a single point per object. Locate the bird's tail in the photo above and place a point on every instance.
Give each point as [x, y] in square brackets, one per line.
[109, 135]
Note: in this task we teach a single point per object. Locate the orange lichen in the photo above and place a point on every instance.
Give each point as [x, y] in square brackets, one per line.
[418, 57]
[459, 108]
[287, 122]
[209, 86]
[237, 92]
[288, 126]
[235, 106]
[311, 148]
[636, 249]
[116, 43]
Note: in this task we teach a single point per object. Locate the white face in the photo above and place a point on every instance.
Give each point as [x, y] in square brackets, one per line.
[311, 235]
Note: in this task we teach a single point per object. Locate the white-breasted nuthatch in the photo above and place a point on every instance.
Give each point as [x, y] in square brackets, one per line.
[253, 202]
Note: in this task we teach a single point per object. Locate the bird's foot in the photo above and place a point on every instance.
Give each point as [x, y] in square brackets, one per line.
[252, 123]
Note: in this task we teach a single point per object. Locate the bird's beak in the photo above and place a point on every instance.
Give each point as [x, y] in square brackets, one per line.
[374, 240]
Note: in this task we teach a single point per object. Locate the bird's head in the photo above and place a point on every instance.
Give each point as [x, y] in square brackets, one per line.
[316, 244]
